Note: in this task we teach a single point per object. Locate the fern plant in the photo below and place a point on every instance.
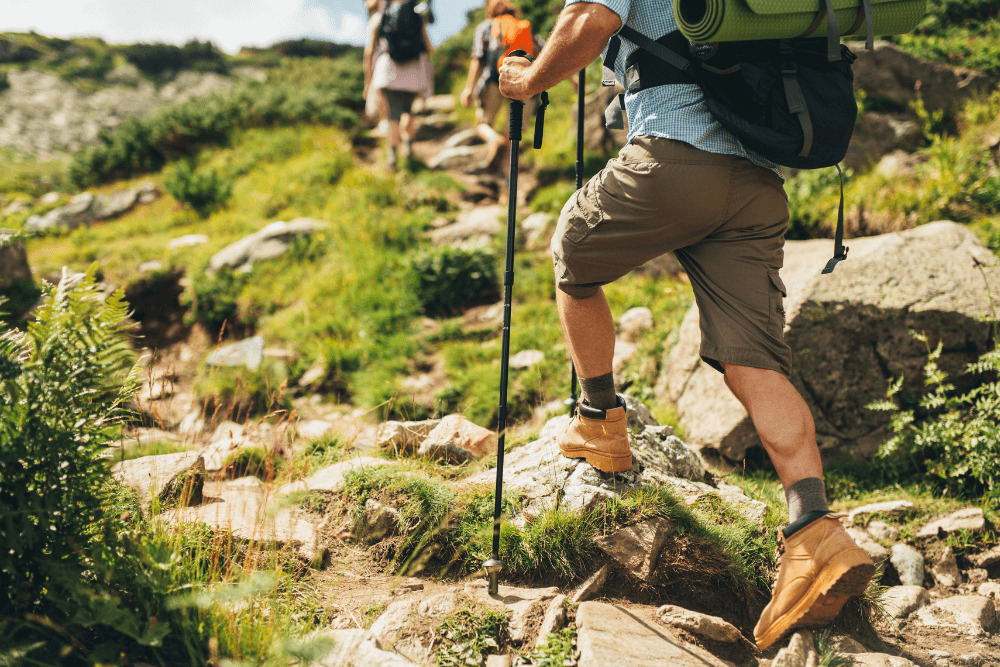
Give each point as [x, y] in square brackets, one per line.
[64, 573]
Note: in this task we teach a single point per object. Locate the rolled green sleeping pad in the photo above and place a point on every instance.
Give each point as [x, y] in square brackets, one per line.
[738, 20]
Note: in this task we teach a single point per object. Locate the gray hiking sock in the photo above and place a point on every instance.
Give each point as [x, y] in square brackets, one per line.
[599, 392]
[805, 496]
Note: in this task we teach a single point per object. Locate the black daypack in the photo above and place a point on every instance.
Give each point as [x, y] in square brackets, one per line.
[402, 28]
[789, 100]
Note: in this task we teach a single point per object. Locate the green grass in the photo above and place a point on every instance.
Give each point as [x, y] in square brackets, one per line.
[470, 634]
[155, 448]
[559, 650]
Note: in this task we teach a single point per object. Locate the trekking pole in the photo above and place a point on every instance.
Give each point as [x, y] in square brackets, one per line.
[580, 110]
[494, 564]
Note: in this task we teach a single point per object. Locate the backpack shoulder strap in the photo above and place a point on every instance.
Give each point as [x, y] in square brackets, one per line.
[659, 50]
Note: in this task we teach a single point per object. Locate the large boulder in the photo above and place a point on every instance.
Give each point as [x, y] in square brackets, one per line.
[546, 478]
[850, 334]
[165, 478]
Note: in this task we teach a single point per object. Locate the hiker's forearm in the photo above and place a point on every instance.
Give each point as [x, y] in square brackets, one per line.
[579, 36]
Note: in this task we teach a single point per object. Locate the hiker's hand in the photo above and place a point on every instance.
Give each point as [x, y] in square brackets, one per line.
[466, 97]
[514, 83]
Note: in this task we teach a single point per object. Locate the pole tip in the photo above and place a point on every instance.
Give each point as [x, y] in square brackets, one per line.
[493, 567]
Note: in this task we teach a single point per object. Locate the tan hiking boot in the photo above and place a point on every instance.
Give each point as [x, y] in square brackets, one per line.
[821, 569]
[600, 437]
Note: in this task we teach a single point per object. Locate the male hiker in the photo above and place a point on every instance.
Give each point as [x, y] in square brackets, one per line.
[684, 184]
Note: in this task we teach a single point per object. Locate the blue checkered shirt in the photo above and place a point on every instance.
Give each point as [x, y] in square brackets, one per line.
[676, 111]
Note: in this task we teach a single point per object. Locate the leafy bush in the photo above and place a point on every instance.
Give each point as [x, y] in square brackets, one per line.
[470, 634]
[451, 279]
[311, 91]
[159, 59]
[205, 191]
[952, 438]
[212, 300]
[71, 585]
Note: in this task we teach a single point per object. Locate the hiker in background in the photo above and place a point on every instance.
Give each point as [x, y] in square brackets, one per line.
[401, 72]
[685, 184]
[496, 36]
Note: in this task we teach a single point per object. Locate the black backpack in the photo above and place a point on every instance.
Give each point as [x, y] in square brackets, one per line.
[402, 28]
[789, 100]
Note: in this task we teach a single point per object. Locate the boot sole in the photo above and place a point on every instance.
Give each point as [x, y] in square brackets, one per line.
[601, 461]
[825, 598]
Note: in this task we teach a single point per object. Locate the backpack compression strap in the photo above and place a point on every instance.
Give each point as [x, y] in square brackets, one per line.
[839, 249]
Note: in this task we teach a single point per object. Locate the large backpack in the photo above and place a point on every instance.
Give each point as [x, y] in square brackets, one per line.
[789, 100]
[507, 34]
[402, 28]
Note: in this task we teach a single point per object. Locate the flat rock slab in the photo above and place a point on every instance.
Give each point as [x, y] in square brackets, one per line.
[894, 507]
[970, 615]
[545, 476]
[614, 635]
[244, 511]
[356, 647]
[331, 478]
[703, 625]
[165, 476]
[880, 660]
[971, 518]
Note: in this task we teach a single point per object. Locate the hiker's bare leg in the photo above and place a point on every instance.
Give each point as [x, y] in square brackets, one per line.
[409, 123]
[782, 419]
[590, 332]
[392, 138]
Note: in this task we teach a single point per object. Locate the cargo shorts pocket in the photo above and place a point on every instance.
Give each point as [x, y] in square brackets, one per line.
[776, 305]
[582, 213]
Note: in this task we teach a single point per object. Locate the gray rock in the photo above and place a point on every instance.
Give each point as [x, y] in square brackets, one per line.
[843, 326]
[683, 461]
[901, 601]
[909, 564]
[457, 439]
[64, 218]
[612, 635]
[463, 158]
[703, 625]
[270, 242]
[636, 548]
[990, 589]
[331, 478]
[800, 652]
[379, 521]
[945, 570]
[356, 647]
[883, 531]
[404, 437]
[971, 519]
[875, 551]
[527, 359]
[881, 660]
[985, 558]
[970, 615]
[977, 575]
[167, 478]
[893, 507]
[554, 619]
[474, 228]
[634, 322]
[591, 585]
[537, 228]
[248, 353]
[639, 416]
[187, 241]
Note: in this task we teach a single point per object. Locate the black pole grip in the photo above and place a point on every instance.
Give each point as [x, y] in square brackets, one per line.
[516, 119]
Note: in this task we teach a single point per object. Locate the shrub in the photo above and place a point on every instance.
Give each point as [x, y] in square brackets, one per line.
[952, 438]
[205, 192]
[212, 300]
[71, 585]
[159, 59]
[451, 279]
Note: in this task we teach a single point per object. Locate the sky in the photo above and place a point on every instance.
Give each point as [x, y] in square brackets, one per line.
[230, 24]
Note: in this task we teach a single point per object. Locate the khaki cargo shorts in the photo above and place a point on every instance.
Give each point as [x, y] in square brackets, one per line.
[721, 215]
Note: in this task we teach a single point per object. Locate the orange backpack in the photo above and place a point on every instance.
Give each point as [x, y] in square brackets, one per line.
[509, 33]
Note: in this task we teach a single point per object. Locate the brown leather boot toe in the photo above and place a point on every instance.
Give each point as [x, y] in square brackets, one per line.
[600, 437]
[821, 569]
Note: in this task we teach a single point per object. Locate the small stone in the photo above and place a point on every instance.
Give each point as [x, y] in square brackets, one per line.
[590, 587]
[248, 353]
[901, 601]
[634, 322]
[986, 558]
[637, 548]
[703, 625]
[895, 507]
[800, 652]
[971, 615]
[527, 359]
[971, 519]
[498, 661]
[990, 589]
[909, 564]
[404, 437]
[977, 575]
[187, 241]
[883, 531]
[554, 619]
[875, 551]
[945, 571]
[379, 521]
